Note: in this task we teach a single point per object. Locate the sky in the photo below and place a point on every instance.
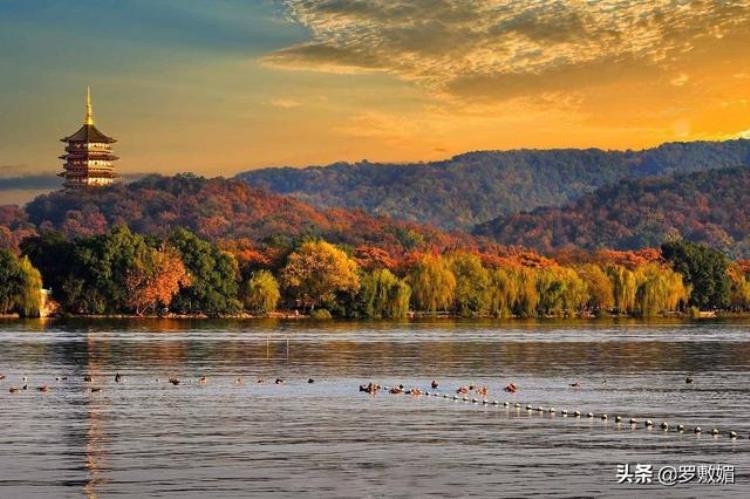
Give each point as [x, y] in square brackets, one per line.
[221, 86]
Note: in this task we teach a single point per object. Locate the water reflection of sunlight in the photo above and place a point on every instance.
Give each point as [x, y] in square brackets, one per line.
[96, 438]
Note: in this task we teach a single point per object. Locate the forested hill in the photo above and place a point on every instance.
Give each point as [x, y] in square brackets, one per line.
[475, 187]
[221, 209]
[708, 207]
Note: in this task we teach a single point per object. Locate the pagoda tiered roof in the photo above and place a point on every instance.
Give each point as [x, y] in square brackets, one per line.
[89, 133]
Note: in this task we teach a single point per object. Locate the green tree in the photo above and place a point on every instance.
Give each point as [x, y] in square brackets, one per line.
[89, 275]
[317, 271]
[260, 294]
[52, 254]
[433, 284]
[739, 289]
[472, 294]
[213, 273]
[624, 288]
[382, 295]
[704, 269]
[30, 303]
[659, 290]
[502, 293]
[526, 300]
[20, 286]
[561, 291]
[600, 290]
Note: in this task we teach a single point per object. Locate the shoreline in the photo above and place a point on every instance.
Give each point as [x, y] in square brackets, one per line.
[290, 316]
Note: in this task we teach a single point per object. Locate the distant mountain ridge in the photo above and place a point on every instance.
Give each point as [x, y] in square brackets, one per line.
[475, 187]
[711, 207]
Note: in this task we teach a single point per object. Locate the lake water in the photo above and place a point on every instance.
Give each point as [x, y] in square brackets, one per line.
[148, 438]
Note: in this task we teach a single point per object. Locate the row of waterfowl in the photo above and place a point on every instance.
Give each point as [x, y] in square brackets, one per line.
[464, 390]
[119, 378]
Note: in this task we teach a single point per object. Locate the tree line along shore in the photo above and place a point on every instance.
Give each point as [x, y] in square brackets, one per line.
[124, 273]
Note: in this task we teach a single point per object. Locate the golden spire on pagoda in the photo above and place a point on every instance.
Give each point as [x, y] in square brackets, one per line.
[89, 108]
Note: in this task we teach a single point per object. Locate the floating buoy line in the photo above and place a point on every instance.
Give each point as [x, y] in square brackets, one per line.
[633, 422]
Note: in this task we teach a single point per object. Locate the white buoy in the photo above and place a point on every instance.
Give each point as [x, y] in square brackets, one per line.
[715, 431]
[665, 426]
[590, 415]
[540, 409]
[633, 421]
[732, 434]
[697, 429]
[648, 423]
[528, 407]
[604, 417]
[517, 405]
[505, 404]
[680, 428]
[551, 410]
[618, 419]
[577, 414]
[564, 412]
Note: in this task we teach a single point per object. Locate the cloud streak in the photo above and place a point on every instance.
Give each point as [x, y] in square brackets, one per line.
[42, 181]
[459, 47]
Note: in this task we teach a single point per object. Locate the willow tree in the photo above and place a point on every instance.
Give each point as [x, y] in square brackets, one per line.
[433, 284]
[600, 290]
[317, 271]
[660, 289]
[260, 293]
[624, 288]
[20, 286]
[472, 294]
[561, 291]
[739, 288]
[382, 295]
[526, 300]
[501, 293]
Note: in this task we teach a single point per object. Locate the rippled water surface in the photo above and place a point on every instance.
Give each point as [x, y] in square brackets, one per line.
[145, 437]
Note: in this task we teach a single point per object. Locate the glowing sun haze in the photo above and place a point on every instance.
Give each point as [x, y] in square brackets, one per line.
[216, 87]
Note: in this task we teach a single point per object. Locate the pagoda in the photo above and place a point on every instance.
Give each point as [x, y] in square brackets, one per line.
[88, 156]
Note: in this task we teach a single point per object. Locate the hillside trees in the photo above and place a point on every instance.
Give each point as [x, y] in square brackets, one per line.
[706, 207]
[472, 188]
